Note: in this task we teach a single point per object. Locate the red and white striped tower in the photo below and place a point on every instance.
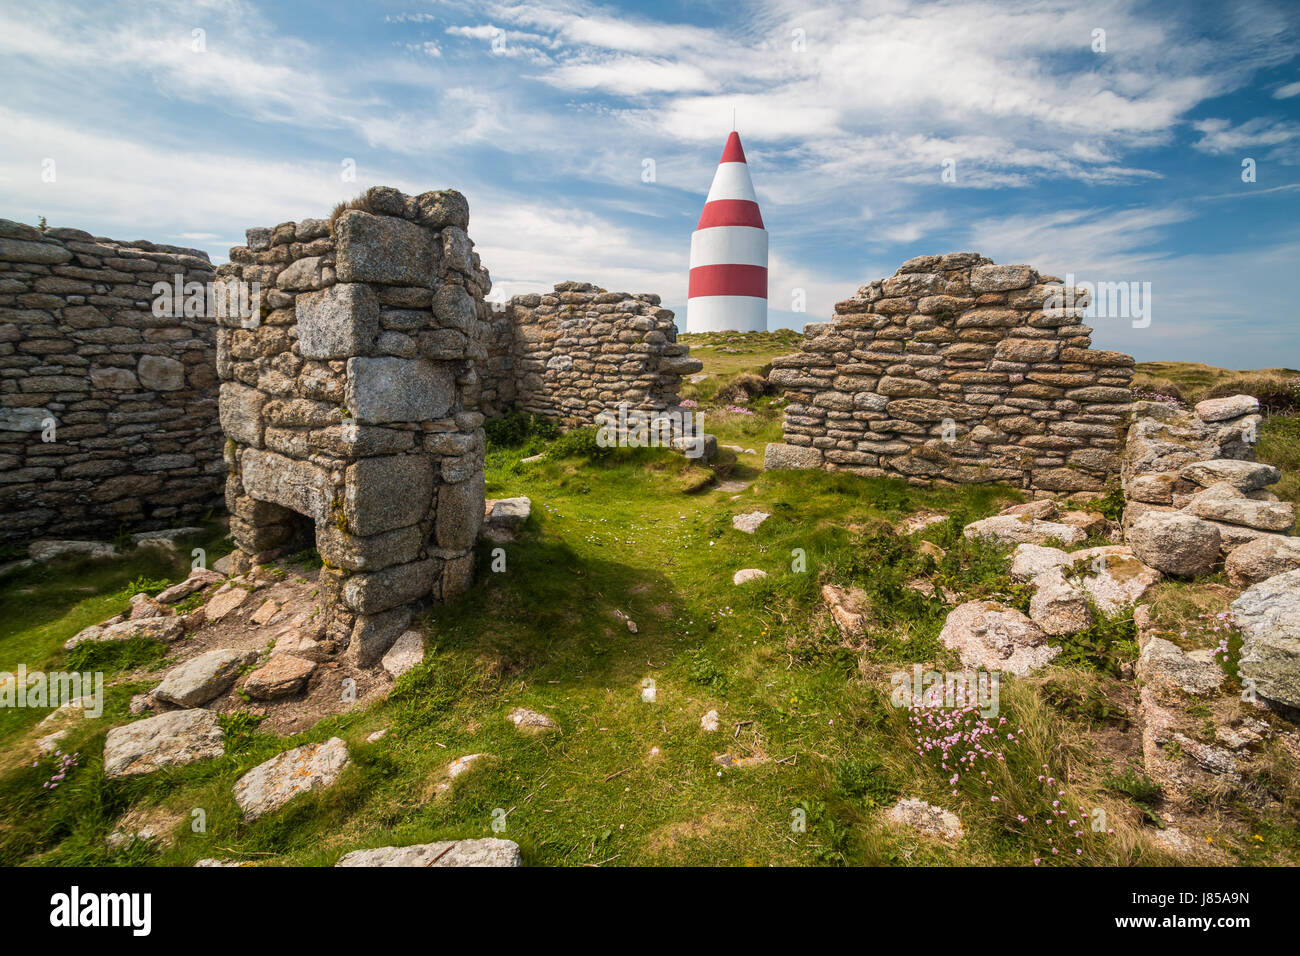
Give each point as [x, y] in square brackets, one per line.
[728, 287]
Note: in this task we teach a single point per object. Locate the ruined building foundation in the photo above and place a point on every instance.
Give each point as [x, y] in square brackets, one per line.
[957, 370]
[350, 404]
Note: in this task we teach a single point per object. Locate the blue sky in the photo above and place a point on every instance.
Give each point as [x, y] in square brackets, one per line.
[1122, 165]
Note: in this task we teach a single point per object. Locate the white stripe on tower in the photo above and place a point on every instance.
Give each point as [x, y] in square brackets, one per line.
[728, 278]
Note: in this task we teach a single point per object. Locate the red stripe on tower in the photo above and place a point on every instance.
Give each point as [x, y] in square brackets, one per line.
[728, 278]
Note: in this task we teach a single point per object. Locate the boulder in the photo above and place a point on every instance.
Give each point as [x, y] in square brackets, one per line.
[155, 629]
[1028, 561]
[1059, 606]
[504, 517]
[171, 739]
[750, 521]
[197, 580]
[1243, 475]
[1175, 543]
[225, 600]
[406, 653]
[1268, 615]
[1021, 529]
[1223, 409]
[272, 784]
[281, 676]
[745, 575]
[1167, 670]
[484, 852]
[926, 818]
[531, 721]
[1225, 502]
[994, 637]
[202, 678]
[1262, 558]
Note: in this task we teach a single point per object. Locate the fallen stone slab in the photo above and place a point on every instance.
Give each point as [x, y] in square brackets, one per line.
[1262, 558]
[201, 678]
[227, 599]
[1223, 409]
[926, 818]
[1044, 509]
[1021, 529]
[484, 852]
[1268, 614]
[749, 521]
[272, 784]
[994, 637]
[282, 676]
[155, 629]
[1225, 502]
[406, 653]
[1243, 475]
[171, 739]
[1168, 670]
[1175, 543]
[745, 575]
[142, 607]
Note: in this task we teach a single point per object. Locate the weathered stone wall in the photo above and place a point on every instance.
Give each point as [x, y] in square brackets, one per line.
[1195, 496]
[579, 351]
[953, 370]
[130, 395]
[354, 403]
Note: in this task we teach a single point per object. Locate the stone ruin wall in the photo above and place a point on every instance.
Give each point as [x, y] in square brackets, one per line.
[132, 396]
[578, 351]
[952, 371]
[353, 403]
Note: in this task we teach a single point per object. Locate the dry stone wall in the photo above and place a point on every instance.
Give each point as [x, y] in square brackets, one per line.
[958, 370]
[1196, 496]
[351, 406]
[578, 351]
[107, 408]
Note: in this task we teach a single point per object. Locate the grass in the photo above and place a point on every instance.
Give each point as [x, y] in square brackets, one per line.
[647, 535]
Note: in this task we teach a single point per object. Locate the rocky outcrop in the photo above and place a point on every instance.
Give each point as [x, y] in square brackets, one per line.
[1268, 614]
[955, 369]
[990, 636]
